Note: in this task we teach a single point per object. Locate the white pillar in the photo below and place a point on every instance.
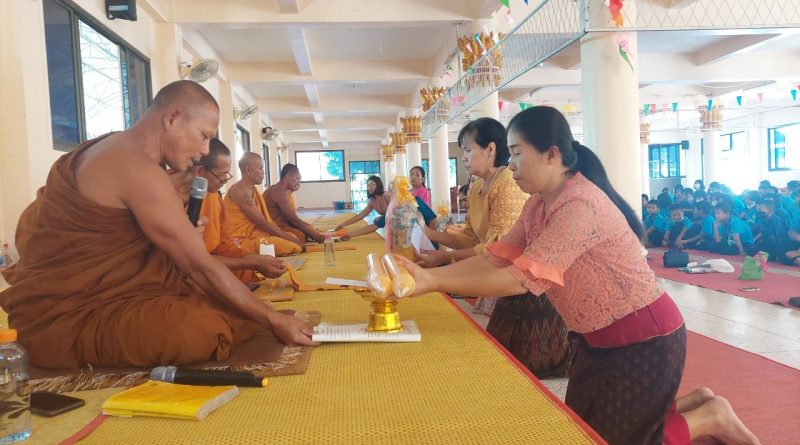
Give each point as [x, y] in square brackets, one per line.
[611, 109]
[227, 125]
[644, 140]
[414, 154]
[488, 107]
[388, 173]
[711, 121]
[711, 155]
[438, 164]
[26, 153]
[165, 59]
[274, 169]
[401, 164]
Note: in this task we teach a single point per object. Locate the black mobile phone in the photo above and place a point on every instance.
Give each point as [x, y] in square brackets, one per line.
[49, 404]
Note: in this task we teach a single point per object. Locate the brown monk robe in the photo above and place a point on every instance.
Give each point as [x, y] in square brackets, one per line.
[112, 273]
[247, 222]
[280, 204]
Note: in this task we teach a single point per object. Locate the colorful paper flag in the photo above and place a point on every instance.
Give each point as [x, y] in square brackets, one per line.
[761, 97]
[674, 106]
[739, 100]
[664, 107]
[615, 6]
[526, 1]
[500, 105]
[646, 109]
[710, 103]
[794, 94]
[510, 19]
[504, 3]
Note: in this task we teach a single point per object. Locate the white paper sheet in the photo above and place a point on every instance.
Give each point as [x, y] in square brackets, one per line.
[266, 249]
[346, 282]
[358, 333]
[419, 240]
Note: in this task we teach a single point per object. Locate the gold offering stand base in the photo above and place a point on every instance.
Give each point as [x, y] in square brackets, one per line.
[383, 316]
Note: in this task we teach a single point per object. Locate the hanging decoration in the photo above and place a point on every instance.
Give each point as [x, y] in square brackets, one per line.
[674, 106]
[524, 106]
[615, 6]
[761, 97]
[500, 105]
[622, 44]
[505, 3]
[794, 95]
[739, 101]
[664, 107]
[710, 103]
[482, 70]
[646, 109]
[510, 19]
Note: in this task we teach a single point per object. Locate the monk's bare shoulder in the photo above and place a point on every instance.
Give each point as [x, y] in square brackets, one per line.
[113, 168]
[240, 195]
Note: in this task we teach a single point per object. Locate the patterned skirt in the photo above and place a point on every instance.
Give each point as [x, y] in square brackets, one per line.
[626, 393]
[532, 331]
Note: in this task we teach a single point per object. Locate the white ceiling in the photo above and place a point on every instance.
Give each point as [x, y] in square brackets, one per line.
[309, 63]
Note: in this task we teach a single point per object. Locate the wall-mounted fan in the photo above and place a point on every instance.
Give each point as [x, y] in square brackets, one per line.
[244, 113]
[200, 70]
[269, 133]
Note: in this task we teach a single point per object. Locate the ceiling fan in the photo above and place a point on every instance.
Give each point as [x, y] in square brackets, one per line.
[243, 114]
[200, 70]
[269, 133]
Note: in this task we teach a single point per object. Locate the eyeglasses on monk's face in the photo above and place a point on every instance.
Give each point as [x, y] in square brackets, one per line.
[227, 176]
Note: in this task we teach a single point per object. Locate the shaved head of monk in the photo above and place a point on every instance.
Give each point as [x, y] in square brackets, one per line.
[186, 116]
[215, 166]
[251, 165]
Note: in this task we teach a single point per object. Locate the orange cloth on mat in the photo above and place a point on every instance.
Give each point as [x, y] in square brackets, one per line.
[277, 215]
[92, 289]
[243, 232]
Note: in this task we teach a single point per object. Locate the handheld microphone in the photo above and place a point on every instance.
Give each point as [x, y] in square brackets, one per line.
[197, 192]
[185, 376]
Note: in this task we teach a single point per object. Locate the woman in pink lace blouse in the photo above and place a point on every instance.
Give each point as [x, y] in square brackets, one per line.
[580, 242]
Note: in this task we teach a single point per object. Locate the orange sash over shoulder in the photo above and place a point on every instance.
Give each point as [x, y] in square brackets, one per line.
[213, 210]
[91, 288]
[245, 235]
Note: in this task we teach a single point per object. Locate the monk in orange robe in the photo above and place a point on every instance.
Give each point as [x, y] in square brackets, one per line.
[280, 204]
[215, 167]
[112, 273]
[247, 222]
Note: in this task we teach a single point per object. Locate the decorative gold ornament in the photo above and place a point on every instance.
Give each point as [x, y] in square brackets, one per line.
[430, 95]
[398, 142]
[710, 119]
[412, 127]
[486, 73]
[388, 152]
[644, 133]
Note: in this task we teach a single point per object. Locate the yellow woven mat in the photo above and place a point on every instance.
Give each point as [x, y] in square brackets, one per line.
[453, 387]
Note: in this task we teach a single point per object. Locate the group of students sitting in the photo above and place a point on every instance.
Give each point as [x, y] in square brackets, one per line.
[720, 222]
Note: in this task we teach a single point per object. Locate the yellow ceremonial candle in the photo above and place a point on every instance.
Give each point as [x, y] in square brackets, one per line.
[403, 283]
[378, 279]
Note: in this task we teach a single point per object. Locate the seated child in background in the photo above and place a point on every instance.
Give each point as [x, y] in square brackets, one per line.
[645, 200]
[748, 215]
[701, 234]
[655, 224]
[699, 195]
[792, 257]
[677, 225]
[772, 231]
[731, 235]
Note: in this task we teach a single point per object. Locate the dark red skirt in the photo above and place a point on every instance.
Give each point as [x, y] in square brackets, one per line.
[626, 393]
[531, 329]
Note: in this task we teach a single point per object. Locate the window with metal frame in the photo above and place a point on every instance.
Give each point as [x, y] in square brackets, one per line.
[321, 165]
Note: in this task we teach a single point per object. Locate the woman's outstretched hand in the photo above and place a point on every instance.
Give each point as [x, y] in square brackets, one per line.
[425, 281]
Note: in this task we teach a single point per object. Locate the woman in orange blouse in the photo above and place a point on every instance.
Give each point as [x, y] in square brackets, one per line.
[580, 242]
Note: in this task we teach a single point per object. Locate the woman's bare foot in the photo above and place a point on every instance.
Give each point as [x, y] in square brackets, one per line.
[726, 427]
[694, 399]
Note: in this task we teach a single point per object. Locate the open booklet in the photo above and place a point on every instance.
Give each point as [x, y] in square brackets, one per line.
[358, 333]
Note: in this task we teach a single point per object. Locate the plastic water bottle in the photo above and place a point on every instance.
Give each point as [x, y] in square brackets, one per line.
[330, 251]
[15, 401]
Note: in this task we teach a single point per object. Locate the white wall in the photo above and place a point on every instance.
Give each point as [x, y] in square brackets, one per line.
[322, 194]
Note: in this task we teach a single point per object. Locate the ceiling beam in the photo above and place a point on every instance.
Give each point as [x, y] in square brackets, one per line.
[334, 104]
[361, 71]
[334, 123]
[732, 46]
[299, 43]
[312, 95]
[402, 13]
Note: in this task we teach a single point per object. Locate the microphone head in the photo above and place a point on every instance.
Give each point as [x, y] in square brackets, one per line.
[198, 188]
[163, 374]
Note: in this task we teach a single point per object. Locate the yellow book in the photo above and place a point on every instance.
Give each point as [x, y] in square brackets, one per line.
[160, 399]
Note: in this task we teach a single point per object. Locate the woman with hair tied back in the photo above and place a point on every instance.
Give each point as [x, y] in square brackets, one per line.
[527, 325]
[580, 242]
